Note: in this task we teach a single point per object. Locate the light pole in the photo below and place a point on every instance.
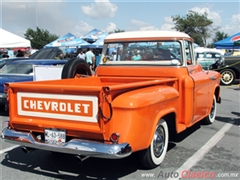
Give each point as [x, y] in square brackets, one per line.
[36, 14]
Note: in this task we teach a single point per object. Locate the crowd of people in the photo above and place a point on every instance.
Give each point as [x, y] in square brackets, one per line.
[18, 54]
[4, 55]
[91, 56]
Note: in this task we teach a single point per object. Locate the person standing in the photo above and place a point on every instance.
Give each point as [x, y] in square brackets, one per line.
[81, 55]
[90, 58]
[5, 55]
[60, 56]
[97, 58]
[20, 53]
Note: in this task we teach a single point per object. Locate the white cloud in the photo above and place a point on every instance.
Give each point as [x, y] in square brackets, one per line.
[234, 25]
[167, 24]
[100, 9]
[231, 28]
[144, 26]
[81, 28]
[110, 27]
[141, 25]
[48, 16]
[214, 16]
[148, 28]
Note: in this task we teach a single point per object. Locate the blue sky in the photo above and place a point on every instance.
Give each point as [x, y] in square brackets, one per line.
[79, 17]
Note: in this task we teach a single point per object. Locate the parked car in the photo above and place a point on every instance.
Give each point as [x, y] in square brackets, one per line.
[231, 71]
[210, 58]
[21, 70]
[7, 60]
[45, 53]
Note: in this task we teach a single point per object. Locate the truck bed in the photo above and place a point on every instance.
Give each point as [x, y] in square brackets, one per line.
[64, 103]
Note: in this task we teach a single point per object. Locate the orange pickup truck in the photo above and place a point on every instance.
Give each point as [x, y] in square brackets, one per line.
[147, 86]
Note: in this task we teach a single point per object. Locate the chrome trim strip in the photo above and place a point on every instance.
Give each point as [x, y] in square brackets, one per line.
[74, 146]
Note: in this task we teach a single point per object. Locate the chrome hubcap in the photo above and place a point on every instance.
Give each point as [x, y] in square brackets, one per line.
[227, 76]
[212, 110]
[159, 141]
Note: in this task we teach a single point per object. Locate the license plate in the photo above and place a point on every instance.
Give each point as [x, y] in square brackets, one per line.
[55, 136]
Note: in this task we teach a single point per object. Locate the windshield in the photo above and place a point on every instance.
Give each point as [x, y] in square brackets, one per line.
[45, 53]
[3, 62]
[147, 52]
[17, 69]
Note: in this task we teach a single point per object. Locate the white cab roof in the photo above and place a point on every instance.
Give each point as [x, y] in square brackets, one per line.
[147, 34]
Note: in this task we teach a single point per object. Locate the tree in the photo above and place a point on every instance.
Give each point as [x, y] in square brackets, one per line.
[218, 37]
[116, 31]
[196, 25]
[39, 38]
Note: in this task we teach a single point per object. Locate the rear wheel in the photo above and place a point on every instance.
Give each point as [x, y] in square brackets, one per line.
[155, 153]
[211, 117]
[228, 77]
[76, 68]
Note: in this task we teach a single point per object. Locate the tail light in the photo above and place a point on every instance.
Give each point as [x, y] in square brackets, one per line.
[114, 137]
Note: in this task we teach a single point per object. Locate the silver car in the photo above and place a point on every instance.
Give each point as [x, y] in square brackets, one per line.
[210, 58]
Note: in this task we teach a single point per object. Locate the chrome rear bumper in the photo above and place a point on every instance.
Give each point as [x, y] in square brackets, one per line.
[74, 146]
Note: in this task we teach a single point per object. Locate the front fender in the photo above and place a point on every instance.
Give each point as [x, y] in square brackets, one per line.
[142, 97]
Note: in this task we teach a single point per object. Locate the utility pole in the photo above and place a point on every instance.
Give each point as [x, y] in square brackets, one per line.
[36, 14]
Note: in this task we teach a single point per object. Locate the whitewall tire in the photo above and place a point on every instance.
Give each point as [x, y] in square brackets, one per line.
[212, 115]
[156, 152]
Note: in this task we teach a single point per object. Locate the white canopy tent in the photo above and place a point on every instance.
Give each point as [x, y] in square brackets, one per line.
[10, 40]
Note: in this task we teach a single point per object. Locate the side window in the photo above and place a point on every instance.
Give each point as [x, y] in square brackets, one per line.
[115, 52]
[217, 55]
[189, 53]
[209, 55]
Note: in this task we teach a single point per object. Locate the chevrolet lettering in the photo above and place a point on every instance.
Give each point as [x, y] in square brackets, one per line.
[55, 106]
